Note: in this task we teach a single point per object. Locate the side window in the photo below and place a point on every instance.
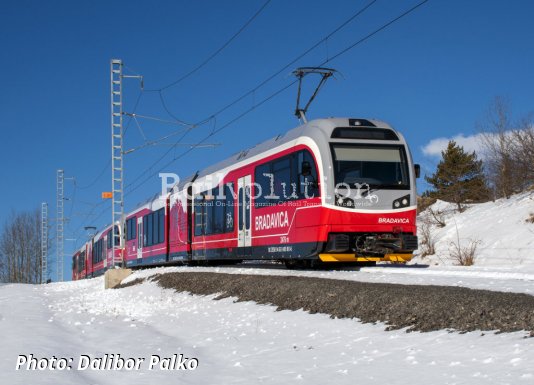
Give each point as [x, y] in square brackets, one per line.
[229, 205]
[98, 250]
[308, 185]
[117, 236]
[209, 213]
[161, 219]
[282, 178]
[214, 211]
[199, 214]
[110, 237]
[219, 209]
[262, 184]
[131, 225]
[288, 178]
[145, 230]
[149, 226]
[155, 227]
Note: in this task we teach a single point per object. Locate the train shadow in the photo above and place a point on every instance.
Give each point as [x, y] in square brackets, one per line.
[325, 266]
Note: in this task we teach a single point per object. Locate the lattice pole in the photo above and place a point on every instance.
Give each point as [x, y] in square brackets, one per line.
[44, 242]
[117, 166]
[60, 221]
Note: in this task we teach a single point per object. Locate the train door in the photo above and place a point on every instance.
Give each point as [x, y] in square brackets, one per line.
[86, 260]
[106, 253]
[244, 215]
[140, 237]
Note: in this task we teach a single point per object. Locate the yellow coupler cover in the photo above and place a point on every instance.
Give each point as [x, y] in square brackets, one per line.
[113, 277]
[357, 258]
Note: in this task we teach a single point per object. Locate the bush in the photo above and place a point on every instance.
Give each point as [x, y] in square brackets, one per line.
[463, 255]
[437, 217]
[428, 244]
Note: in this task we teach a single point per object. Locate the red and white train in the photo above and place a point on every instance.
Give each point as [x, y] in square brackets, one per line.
[331, 190]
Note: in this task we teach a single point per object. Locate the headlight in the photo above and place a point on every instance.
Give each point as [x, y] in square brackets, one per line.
[401, 202]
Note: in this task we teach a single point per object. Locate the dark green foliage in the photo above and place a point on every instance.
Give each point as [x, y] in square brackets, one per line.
[459, 177]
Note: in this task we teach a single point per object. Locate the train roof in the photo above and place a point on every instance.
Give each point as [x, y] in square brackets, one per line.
[315, 129]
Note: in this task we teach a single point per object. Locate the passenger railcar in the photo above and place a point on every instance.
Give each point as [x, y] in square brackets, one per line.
[79, 263]
[331, 190]
[147, 234]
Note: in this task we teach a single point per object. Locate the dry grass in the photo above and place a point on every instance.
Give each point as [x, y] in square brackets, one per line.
[438, 217]
[463, 255]
[428, 244]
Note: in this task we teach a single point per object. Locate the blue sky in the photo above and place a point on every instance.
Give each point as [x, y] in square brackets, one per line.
[430, 75]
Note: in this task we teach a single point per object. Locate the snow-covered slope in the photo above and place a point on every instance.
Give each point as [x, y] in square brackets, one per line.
[246, 343]
[235, 343]
[500, 229]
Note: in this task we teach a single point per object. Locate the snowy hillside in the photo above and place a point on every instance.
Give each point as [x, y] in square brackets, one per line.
[235, 343]
[500, 230]
[245, 343]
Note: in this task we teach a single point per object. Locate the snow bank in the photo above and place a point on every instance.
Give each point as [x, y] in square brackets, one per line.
[500, 229]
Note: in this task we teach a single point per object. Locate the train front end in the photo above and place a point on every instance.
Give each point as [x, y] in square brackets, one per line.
[369, 192]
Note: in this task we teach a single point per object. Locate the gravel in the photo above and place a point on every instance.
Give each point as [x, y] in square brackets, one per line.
[415, 307]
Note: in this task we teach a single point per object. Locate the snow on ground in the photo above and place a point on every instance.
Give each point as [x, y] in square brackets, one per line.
[236, 343]
[500, 228]
[244, 343]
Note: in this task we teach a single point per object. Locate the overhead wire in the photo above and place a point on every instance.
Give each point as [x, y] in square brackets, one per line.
[253, 90]
[279, 71]
[90, 213]
[214, 132]
[363, 39]
[216, 52]
[97, 178]
[108, 163]
[202, 64]
[297, 58]
[343, 51]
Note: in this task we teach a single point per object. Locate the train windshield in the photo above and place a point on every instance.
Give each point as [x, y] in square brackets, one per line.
[377, 166]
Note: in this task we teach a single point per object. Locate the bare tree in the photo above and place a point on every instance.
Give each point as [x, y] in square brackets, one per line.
[523, 139]
[20, 248]
[508, 148]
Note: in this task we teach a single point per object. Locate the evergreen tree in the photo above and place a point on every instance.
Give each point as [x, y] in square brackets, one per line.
[459, 177]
